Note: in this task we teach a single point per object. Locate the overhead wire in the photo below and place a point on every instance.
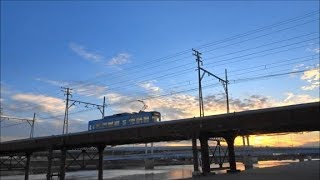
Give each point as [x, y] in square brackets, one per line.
[10, 125]
[234, 37]
[190, 63]
[181, 72]
[228, 39]
[185, 71]
[179, 92]
[174, 68]
[206, 86]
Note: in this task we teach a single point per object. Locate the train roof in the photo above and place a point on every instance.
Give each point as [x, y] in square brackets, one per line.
[126, 114]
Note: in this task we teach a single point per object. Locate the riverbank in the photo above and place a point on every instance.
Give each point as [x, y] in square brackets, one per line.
[294, 171]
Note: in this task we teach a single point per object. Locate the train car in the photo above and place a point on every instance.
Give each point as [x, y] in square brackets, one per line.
[124, 119]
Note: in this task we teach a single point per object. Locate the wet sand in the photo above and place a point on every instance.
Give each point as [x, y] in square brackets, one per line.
[308, 170]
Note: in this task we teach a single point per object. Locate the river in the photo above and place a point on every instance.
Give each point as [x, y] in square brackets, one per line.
[159, 173]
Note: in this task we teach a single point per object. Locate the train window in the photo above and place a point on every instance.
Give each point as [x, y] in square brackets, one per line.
[105, 124]
[146, 119]
[124, 122]
[116, 123]
[110, 124]
[139, 120]
[98, 125]
[155, 118]
[132, 121]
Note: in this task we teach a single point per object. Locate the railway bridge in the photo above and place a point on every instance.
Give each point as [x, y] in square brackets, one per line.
[294, 118]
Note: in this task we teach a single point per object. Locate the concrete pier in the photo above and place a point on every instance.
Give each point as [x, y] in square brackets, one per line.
[27, 166]
[100, 163]
[149, 163]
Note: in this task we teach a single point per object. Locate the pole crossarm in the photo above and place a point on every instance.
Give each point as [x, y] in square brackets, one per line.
[224, 83]
[98, 106]
[210, 74]
[86, 103]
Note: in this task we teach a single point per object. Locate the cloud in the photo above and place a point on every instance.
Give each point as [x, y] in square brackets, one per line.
[314, 50]
[86, 54]
[312, 77]
[119, 59]
[44, 103]
[116, 97]
[53, 82]
[122, 58]
[91, 90]
[150, 87]
[175, 107]
[81, 88]
[292, 98]
[186, 106]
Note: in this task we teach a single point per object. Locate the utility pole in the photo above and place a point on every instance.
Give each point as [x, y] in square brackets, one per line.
[0, 123]
[67, 92]
[226, 90]
[103, 106]
[32, 125]
[197, 54]
[224, 83]
[198, 59]
[29, 121]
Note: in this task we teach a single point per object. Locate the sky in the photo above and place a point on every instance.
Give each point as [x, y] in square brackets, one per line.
[129, 51]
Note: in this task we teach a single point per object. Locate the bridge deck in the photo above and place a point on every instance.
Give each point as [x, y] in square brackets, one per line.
[295, 118]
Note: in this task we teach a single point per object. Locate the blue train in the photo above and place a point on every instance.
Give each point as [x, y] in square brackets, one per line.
[124, 119]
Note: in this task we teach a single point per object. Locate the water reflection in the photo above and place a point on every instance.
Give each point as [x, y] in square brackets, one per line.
[159, 173]
[179, 173]
[264, 164]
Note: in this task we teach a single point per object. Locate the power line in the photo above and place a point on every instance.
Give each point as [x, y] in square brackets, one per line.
[268, 64]
[282, 46]
[181, 73]
[264, 66]
[187, 70]
[263, 45]
[270, 67]
[264, 35]
[263, 55]
[281, 29]
[268, 76]
[61, 115]
[247, 34]
[263, 28]
[267, 44]
[231, 38]
[13, 125]
[187, 90]
[207, 86]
